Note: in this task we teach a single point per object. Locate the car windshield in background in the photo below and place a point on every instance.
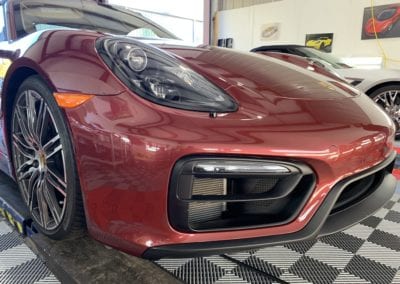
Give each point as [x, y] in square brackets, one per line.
[333, 61]
[387, 14]
[32, 16]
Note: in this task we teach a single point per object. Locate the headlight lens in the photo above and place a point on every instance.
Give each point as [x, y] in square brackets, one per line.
[159, 77]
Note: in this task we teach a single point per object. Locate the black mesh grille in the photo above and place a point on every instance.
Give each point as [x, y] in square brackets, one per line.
[206, 211]
[223, 201]
[259, 185]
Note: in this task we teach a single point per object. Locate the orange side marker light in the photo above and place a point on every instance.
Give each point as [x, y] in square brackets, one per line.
[71, 100]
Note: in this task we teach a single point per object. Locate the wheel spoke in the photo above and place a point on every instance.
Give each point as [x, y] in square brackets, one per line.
[41, 120]
[42, 206]
[54, 180]
[390, 101]
[22, 148]
[57, 149]
[393, 96]
[52, 147]
[32, 188]
[52, 203]
[31, 115]
[28, 163]
[50, 143]
[26, 174]
[22, 125]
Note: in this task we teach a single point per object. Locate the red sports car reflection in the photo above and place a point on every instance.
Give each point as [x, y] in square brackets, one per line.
[384, 22]
[109, 123]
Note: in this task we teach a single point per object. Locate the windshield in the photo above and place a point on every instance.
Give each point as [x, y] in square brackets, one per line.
[333, 61]
[386, 14]
[35, 15]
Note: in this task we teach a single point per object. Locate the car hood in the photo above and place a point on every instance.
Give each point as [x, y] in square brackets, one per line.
[259, 74]
[277, 99]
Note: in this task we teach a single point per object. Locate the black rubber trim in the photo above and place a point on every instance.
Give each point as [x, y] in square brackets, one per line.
[361, 210]
[182, 175]
[357, 212]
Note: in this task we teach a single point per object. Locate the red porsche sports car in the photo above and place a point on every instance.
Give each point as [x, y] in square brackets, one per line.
[384, 22]
[109, 122]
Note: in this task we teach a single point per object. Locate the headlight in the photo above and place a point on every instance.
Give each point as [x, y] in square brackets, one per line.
[159, 77]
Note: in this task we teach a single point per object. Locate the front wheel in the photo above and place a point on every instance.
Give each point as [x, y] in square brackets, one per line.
[388, 97]
[43, 161]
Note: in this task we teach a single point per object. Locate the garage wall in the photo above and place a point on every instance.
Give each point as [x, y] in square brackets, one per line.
[299, 17]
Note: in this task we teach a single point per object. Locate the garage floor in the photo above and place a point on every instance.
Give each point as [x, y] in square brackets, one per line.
[366, 253]
[18, 264]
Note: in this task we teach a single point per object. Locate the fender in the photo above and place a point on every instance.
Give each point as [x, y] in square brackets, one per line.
[53, 55]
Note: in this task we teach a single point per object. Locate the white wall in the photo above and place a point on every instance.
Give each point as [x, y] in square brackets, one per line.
[301, 17]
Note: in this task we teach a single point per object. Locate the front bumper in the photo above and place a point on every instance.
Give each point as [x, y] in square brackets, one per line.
[322, 223]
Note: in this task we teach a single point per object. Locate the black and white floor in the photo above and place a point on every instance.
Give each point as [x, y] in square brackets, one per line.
[366, 253]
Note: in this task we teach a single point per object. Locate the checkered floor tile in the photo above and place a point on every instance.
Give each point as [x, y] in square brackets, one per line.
[366, 253]
[18, 264]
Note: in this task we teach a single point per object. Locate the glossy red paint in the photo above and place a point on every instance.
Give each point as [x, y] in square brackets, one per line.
[382, 25]
[126, 147]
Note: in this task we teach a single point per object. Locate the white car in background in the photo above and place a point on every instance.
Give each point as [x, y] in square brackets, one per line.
[381, 85]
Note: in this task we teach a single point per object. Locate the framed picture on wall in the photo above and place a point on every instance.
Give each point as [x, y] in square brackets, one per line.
[381, 22]
[222, 42]
[270, 31]
[321, 42]
[229, 42]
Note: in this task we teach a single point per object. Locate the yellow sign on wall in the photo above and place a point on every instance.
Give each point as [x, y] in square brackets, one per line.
[4, 65]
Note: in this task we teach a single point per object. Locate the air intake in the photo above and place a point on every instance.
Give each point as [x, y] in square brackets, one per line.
[224, 194]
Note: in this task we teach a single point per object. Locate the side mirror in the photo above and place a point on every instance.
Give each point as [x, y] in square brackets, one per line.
[9, 54]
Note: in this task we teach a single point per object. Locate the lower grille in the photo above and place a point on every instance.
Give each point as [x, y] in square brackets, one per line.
[360, 189]
[206, 211]
[225, 201]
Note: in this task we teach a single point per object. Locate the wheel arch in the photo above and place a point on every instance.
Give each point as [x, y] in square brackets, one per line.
[381, 85]
[19, 71]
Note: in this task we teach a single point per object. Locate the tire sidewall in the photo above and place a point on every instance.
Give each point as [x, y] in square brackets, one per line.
[36, 84]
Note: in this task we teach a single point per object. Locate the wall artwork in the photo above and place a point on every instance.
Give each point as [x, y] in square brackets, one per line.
[225, 42]
[321, 42]
[221, 42]
[384, 20]
[270, 31]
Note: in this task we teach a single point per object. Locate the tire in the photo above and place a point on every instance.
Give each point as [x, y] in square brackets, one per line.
[322, 46]
[43, 161]
[388, 97]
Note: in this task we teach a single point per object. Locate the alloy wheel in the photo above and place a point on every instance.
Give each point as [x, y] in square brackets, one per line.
[39, 160]
[389, 100]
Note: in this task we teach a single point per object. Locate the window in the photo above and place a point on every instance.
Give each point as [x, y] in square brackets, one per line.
[3, 31]
[32, 16]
